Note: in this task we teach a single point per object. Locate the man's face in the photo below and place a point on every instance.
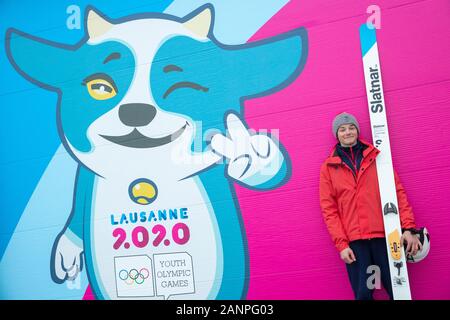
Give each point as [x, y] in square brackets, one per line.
[347, 135]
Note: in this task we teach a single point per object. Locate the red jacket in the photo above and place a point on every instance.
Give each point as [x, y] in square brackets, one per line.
[351, 206]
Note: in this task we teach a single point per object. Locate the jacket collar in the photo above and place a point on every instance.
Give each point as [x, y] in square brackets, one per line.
[335, 159]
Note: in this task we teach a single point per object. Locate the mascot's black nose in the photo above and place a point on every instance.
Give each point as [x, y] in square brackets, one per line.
[136, 114]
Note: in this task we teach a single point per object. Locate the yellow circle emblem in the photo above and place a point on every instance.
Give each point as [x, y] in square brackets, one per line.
[143, 191]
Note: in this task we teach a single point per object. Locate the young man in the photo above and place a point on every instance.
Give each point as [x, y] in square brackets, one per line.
[351, 207]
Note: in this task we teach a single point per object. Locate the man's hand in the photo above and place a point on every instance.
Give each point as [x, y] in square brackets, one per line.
[412, 243]
[348, 256]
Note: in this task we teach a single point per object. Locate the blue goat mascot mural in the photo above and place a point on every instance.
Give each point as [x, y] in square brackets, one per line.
[151, 108]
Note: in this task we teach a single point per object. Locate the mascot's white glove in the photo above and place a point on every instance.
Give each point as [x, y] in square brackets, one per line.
[68, 259]
[253, 158]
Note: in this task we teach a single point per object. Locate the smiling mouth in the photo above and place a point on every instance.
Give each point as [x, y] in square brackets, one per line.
[135, 139]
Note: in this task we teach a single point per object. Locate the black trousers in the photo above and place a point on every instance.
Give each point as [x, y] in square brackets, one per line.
[369, 253]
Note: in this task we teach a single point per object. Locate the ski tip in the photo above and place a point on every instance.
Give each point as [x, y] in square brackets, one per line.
[367, 34]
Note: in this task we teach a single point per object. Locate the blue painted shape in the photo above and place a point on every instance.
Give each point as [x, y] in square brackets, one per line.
[82, 221]
[30, 249]
[368, 38]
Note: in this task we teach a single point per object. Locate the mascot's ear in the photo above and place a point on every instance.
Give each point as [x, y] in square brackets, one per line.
[37, 59]
[270, 64]
[96, 24]
[200, 21]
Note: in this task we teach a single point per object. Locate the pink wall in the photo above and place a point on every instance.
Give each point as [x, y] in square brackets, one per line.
[291, 253]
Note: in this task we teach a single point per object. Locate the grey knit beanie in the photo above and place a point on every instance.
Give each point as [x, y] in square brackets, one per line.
[344, 118]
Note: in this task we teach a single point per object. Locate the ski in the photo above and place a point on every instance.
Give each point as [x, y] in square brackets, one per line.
[386, 181]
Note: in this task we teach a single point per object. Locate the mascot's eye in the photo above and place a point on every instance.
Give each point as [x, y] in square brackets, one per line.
[100, 87]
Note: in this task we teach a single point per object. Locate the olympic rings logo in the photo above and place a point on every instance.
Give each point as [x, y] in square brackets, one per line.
[134, 276]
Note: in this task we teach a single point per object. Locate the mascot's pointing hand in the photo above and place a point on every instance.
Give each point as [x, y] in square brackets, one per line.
[253, 158]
